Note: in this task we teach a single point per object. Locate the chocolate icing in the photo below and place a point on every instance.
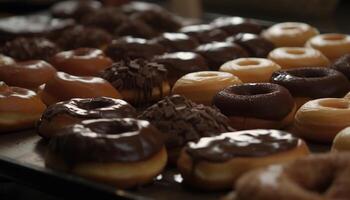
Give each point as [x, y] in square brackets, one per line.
[29, 49]
[181, 120]
[257, 100]
[234, 25]
[314, 82]
[140, 75]
[176, 42]
[256, 45]
[74, 9]
[80, 36]
[342, 64]
[131, 48]
[107, 140]
[217, 53]
[249, 143]
[139, 6]
[204, 33]
[135, 28]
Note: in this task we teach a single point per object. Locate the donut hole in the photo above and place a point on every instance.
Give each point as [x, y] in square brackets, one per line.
[295, 51]
[337, 104]
[94, 104]
[248, 62]
[82, 52]
[334, 37]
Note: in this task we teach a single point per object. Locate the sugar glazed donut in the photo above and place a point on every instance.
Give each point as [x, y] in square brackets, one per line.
[332, 45]
[63, 87]
[290, 34]
[248, 106]
[342, 65]
[251, 70]
[81, 62]
[66, 113]
[312, 83]
[321, 119]
[27, 74]
[316, 177]
[295, 57]
[215, 163]
[201, 87]
[122, 152]
[19, 108]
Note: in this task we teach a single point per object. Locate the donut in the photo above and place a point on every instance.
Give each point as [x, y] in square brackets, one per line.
[174, 42]
[139, 81]
[235, 25]
[315, 177]
[74, 9]
[19, 108]
[204, 33]
[181, 120]
[255, 45]
[294, 57]
[251, 70]
[310, 83]
[133, 48]
[180, 63]
[27, 74]
[332, 45]
[201, 87]
[290, 34]
[63, 87]
[215, 163]
[320, 120]
[81, 62]
[248, 106]
[66, 113]
[341, 141]
[342, 65]
[23, 49]
[124, 152]
[217, 53]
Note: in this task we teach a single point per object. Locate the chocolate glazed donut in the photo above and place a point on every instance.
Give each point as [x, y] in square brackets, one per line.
[256, 100]
[312, 82]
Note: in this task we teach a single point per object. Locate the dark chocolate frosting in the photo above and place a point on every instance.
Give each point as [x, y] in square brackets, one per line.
[249, 143]
[141, 75]
[313, 82]
[135, 28]
[176, 42]
[217, 53]
[131, 47]
[107, 140]
[74, 9]
[81, 36]
[181, 120]
[29, 49]
[204, 33]
[234, 25]
[257, 100]
[256, 45]
[342, 64]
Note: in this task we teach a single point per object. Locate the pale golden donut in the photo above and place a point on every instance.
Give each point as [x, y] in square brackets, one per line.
[341, 142]
[201, 87]
[332, 45]
[321, 119]
[251, 70]
[290, 34]
[296, 57]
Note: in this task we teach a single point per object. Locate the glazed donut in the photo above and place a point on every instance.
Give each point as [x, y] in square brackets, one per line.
[332, 45]
[139, 81]
[315, 177]
[295, 57]
[63, 87]
[306, 84]
[181, 121]
[66, 113]
[290, 34]
[123, 152]
[321, 119]
[342, 64]
[81, 62]
[251, 70]
[19, 108]
[201, 87]
[27, 74]
[341, 141]
[248, 106]
[215, 163]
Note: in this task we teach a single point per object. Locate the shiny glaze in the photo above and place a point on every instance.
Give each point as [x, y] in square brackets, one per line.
[234, 25]
[177, 42]
[204, 33]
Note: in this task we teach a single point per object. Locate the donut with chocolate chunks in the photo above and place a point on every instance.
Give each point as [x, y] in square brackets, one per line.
[234, 25]
[176, 42]
[74, 9]
[342, 65]
[204, 33]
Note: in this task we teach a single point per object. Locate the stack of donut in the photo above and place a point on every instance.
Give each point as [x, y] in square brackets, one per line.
[118, 94]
